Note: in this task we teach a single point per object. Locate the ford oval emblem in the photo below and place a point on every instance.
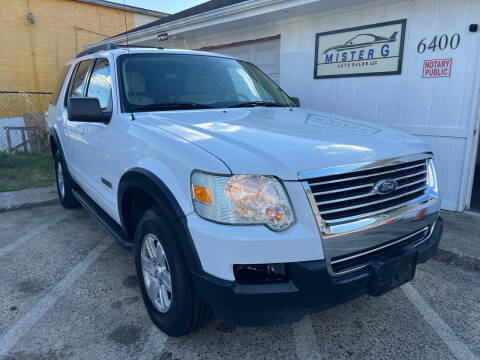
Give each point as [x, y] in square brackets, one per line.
[384, 187]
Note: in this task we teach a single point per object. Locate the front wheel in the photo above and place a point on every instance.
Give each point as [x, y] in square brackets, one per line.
[165, 281]
[64, 183]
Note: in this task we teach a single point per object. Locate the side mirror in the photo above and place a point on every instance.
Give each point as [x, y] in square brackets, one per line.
[86, 110]
[295, 100]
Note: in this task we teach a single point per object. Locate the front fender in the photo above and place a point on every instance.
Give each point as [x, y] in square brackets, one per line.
[147, 181]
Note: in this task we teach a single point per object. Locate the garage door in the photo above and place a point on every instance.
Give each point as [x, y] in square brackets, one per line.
[264, 54]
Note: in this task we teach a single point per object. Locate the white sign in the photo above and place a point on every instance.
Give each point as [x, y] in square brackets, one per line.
[375, 49]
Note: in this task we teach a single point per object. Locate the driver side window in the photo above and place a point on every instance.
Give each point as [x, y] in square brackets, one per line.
[100, 83]
[77, 80]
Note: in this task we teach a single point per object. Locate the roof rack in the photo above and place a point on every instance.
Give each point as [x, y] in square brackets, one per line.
[93, 50]
[112, 46]
[140, 46]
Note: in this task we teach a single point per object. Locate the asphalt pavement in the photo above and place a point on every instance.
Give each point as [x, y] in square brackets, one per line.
[67, 291]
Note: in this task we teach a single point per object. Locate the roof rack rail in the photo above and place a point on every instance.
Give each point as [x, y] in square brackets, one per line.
[112, 46]
[93, 50]
[140, 46]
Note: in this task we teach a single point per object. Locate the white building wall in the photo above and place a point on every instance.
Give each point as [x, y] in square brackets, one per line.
[142, 19]
[264, 54]
[441, 111]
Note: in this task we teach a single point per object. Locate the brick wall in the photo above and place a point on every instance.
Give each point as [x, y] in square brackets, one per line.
[32, 55]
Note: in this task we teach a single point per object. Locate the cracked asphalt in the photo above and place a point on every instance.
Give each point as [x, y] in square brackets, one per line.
[67, 291]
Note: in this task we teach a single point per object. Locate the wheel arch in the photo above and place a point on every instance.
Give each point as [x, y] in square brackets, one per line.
[55, 144]
[140, 189]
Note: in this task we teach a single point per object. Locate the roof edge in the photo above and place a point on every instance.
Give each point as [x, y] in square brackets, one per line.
[197, 18]
[130, 8]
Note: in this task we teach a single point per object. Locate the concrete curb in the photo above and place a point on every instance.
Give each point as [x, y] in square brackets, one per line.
[28, 198]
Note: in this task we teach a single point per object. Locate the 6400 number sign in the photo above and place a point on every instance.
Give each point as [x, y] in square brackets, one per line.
[441, 42]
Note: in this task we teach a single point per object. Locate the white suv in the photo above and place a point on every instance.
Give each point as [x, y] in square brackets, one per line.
[235, 200]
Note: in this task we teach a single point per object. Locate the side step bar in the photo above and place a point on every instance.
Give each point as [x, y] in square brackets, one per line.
[103, 218]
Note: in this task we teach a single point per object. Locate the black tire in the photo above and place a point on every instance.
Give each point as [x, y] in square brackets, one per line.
[66, 199]
[187, 312]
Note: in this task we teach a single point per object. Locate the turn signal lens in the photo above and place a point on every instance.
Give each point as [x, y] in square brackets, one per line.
[202, 194]
[274, 213]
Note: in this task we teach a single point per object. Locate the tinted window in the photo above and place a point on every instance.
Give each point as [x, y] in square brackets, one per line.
[100, 84]
[69, 87]
[58, 88]
[79, 80]
[158, 81]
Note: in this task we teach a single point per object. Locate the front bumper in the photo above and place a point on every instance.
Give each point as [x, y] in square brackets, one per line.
[310, 288]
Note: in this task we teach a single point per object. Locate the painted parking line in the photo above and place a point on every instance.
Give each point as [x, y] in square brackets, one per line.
[306, 346]
[31, 235]
[457, 348]
[11, 338]
[154, 346]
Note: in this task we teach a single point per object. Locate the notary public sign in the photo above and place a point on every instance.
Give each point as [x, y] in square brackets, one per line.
[375, 49]
[437, 68]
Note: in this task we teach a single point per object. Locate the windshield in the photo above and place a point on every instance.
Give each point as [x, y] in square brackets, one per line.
[177, 82]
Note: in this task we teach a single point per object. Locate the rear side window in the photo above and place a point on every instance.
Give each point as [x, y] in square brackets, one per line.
[58, 88]
[100, 84]
[78, 83]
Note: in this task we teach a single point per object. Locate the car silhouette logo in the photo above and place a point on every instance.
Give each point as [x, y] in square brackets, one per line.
[363, 40]
[384, 187]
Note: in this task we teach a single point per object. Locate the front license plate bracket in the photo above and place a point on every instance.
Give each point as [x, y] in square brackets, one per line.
[392, 270]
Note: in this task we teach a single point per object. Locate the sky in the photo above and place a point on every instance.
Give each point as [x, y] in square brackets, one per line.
[168, 6]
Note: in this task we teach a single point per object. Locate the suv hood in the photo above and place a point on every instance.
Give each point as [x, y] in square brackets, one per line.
[283, 141]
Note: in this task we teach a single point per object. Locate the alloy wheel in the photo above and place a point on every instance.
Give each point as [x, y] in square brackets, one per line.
[60, 180]
[156, 273]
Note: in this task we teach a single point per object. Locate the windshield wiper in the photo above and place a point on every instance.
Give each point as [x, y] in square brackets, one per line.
[256, 103]
[171, 106]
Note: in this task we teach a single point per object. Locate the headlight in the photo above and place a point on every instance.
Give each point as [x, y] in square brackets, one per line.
[432, 178]
[242, 199]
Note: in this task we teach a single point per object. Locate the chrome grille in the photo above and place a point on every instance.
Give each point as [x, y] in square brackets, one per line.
[346, 195]
[360, 259]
